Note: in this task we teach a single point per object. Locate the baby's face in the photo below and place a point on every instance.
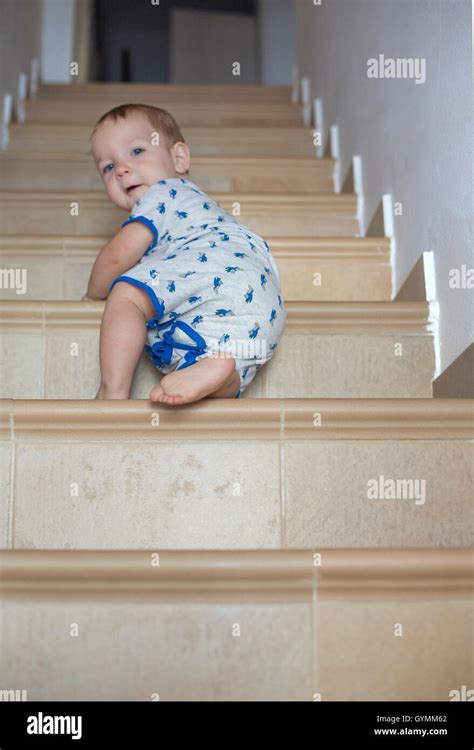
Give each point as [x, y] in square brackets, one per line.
[129, 163]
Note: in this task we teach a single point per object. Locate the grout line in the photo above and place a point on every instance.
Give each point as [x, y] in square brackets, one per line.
[314, 637]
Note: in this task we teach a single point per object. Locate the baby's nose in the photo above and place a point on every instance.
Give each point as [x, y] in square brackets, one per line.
[121, 169]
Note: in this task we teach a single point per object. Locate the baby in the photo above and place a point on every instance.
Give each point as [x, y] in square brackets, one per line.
[182, 277]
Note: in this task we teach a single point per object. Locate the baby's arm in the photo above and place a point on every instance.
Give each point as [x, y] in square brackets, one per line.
[119, 254]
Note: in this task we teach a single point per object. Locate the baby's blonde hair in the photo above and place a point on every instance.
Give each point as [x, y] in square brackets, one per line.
[160, 120]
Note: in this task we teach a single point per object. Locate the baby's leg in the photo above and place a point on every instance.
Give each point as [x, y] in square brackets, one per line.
[122, 338]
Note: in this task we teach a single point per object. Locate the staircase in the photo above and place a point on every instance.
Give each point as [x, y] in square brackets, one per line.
[309, 541]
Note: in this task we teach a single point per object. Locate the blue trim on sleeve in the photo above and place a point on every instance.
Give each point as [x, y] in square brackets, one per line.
[148, 223]
[159, 306]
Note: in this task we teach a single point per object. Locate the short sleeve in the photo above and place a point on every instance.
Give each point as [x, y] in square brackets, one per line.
[149, 211]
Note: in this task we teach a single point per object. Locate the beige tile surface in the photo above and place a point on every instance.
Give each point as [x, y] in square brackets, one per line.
[340, 280]
[132, 650]
[360, 658]
[5, 459]
[72, 365]
[21, 365]
[193, 495]
[43, 279]
[327, 503]
[304, 366]
[358, 366]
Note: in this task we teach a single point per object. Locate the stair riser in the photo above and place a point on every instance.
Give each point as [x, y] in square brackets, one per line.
[334, 365]
[199, 115]
[71, 491]
[224, 142]
[82, 175]
[66, 278]
[343, 651]
[54, 218]
[148, 93]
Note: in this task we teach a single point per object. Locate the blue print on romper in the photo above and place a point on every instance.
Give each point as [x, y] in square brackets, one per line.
[217, 283]
[222, 313]
[240, 255]
[272, 347]
[249, 295]
[161, 208]
[263, 281]
[153, 273]
[171, 286]
[185, 275]
[172, 194]
[254, 331]
[194, 299]
[202, 257]
[273, 315]
[168, 257]
[224, 338]
[232, 269]
[224, 237]
[181, 215]
[196, 320]
[206, 206]
[279, 300]
[213, 244]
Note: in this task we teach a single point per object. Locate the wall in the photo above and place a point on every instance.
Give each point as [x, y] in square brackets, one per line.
[414, 139]
[20, 41]
[205, 44]
[277, 41]
[57, 40]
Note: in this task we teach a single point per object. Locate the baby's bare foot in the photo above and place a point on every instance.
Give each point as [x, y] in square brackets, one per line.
[205, 377]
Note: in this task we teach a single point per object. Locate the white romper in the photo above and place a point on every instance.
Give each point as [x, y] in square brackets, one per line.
[213, 282]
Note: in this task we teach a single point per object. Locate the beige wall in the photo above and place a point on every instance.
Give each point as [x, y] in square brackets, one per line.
[20, 41]
[205, 44]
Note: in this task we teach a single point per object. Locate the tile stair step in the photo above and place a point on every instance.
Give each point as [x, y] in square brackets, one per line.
[49, 213]
[267, 174]
[318, 269]
[269, 474]
[29, 139]
[198, 113]
[328, 628]
[328, 350]
[136, 92]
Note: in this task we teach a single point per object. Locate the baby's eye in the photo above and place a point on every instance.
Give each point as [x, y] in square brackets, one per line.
[138, 148]
[106, 168]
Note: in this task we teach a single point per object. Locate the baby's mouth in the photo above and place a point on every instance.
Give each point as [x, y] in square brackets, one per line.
[132, 187]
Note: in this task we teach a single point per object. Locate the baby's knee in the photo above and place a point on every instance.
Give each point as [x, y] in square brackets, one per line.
[122, 290]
